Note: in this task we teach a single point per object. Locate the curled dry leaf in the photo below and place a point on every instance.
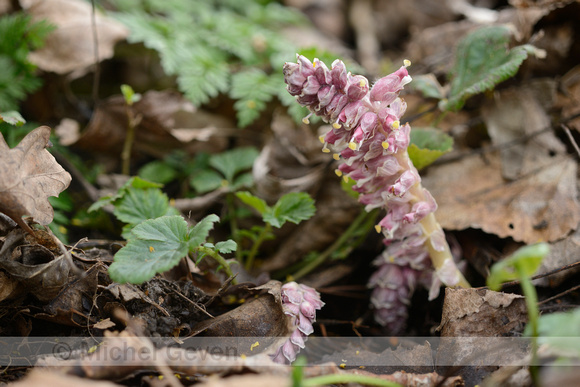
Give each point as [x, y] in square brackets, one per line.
[70, 48]
[29, 174]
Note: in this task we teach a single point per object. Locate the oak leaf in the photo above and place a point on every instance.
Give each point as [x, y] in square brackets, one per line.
[29, 174]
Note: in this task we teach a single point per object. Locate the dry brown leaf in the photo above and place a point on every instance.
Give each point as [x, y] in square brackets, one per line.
[570, 97]
[70, 48]
[542, 206]
[168, 122]
[29, 174]
[515, 113]
[481, 313]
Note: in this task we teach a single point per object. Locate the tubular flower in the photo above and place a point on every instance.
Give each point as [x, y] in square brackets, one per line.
[300, 302]
[372, 143]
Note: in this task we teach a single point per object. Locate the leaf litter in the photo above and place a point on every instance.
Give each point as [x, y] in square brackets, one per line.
[523, 189]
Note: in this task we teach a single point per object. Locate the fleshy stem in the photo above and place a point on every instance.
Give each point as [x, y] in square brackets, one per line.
[532, 307]
[218, 258]
[326, 380]
[352, 229]
[254, 251]
[438, 258]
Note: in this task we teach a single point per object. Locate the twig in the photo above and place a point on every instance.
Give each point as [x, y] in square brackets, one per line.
[571, 138]
[559, 295]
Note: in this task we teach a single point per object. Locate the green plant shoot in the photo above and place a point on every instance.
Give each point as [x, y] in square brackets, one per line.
[293, 207]
[522, 265]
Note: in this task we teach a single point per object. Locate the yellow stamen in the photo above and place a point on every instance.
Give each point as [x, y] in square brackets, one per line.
[345, 178]
[325, 149]
[336, 125]
[406, 62]
[321, 138]
[338, 172]
[385, 145]
[352, 145]
[362, 83]
[306, 120]
[336, 156]
[378, 228]
[396, 124]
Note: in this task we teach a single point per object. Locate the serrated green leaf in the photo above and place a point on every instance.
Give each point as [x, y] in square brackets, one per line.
[482, 60]
[243, 180]
[133, 182]
[13, 118]
[205, 181]
[255, 202]
[226, 247]
[158, 172]
[138, 205]
[428, 85]
[293, 207]
[231, 162]
[527, 259]
[199, 233]
[253, 88]
[427, 145]
[160, 244]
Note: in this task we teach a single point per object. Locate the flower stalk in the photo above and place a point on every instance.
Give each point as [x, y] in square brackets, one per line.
[368, 136]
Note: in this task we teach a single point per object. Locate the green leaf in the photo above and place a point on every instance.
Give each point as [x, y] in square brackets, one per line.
[255, 202]
[13, 118]
[198, 234]
[158, 172]
[347, 186]
[253, 88]
[129, 95]
[138, 205]
[293, 207]
[428, 85]
[205, 181]
[161, 244]
[526, 259]
[483, 60]
[133, 182]
[427, 145]
[243, 180]
[231, 162]
[226, 247]
[556, 329]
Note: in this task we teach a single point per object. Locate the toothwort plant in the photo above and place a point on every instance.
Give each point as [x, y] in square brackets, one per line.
[368, 136]
[300, 302]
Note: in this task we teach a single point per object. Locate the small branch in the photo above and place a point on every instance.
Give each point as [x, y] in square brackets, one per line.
[571, 138]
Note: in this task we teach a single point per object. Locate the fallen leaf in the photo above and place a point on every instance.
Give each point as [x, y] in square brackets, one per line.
[515, 113]
[33, 266]
[71, 47]
[481, 313]
[542, 206]
[29, 174]
[168, 122]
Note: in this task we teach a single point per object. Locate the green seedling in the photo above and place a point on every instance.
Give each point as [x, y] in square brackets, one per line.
[293, 207]
[521, 265]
